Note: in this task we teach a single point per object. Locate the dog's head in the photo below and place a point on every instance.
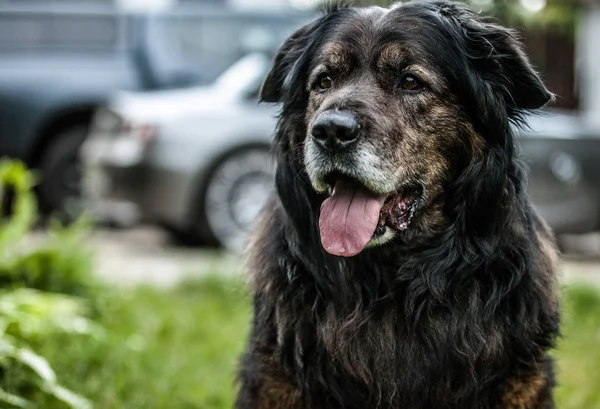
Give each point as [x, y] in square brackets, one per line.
[386, 110]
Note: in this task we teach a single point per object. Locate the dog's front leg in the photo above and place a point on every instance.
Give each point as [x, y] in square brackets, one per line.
[263, 382]
[532, 390]
[264, 385]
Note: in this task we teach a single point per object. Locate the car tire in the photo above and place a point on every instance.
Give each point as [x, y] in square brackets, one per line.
[188, 236]
[233, 195]
[61, 174]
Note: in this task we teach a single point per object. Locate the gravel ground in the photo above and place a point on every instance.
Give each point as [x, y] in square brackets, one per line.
[144, 255]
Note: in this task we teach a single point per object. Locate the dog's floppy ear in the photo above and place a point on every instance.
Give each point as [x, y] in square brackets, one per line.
[284, 64]
[496, 52]
[525, 87]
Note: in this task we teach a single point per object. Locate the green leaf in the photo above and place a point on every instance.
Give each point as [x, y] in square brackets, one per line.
[68, 397]
[37, 364]
[29, 314]
[13, 400]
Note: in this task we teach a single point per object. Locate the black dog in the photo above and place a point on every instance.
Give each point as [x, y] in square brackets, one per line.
[401, 264]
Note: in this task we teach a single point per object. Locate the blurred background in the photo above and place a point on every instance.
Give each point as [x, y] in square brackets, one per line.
[134, 158]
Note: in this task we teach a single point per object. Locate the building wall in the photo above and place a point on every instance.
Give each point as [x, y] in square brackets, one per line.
[553, 53]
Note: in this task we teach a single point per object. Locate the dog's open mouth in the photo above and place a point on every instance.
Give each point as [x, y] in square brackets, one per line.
[352, 216]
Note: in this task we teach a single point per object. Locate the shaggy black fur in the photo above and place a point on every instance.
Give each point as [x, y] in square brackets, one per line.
[454, 314]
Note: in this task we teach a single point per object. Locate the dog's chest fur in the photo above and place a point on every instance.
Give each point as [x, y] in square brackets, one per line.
[459, 309]
[399, 334]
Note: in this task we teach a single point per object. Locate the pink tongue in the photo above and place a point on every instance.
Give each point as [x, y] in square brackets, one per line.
[349, 218]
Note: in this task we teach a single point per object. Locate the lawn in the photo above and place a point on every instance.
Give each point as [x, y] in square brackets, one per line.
[178, 348]
[578, 355]
[161, 348]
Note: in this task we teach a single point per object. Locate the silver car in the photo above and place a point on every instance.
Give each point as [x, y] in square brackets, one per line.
[195, 160]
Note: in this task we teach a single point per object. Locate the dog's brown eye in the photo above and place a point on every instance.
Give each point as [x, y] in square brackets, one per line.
[325, 81]
[411, 83]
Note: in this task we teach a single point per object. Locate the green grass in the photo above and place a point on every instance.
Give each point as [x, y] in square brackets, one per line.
[578, 355]
[166, 349]
[178, 348]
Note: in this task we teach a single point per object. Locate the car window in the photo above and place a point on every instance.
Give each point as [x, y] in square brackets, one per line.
[94, 31]
[22, 30]
[53, 30]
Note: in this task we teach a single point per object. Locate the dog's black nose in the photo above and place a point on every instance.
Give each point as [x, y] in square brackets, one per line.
[335, 130]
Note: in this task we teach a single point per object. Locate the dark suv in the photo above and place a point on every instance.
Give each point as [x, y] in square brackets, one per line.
[58, 64]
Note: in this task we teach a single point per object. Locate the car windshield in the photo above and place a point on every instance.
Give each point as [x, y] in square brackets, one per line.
[244, 74]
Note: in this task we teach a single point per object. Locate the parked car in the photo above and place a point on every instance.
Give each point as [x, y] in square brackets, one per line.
[195, 160]
[59, 64]
[562, 152]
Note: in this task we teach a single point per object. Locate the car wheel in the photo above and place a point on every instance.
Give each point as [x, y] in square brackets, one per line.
[235, 193]
[61, 168]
